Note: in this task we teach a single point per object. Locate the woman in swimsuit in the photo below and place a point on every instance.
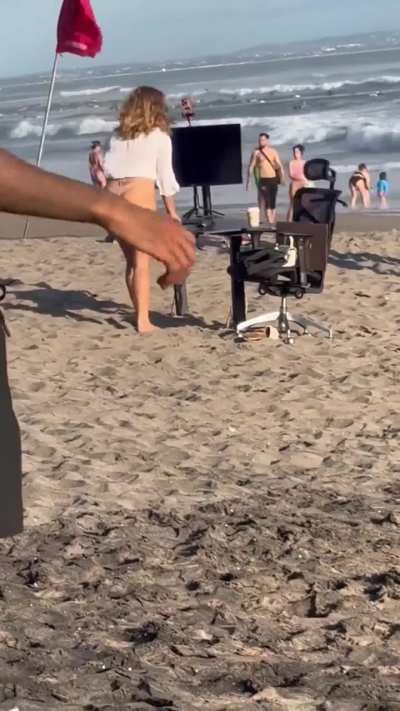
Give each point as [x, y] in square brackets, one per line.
[360, 186]
[138, 160]
[96, 165]
[297, 178]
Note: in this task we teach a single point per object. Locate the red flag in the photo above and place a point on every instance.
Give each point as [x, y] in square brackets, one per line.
[78, 31]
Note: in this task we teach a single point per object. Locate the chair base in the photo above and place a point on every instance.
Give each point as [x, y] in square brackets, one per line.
[284, 319]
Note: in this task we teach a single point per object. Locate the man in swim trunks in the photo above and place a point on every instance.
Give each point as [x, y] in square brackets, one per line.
[266, 164]
[26, 190]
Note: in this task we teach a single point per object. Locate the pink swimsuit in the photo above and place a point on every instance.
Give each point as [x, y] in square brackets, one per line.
[297, 170]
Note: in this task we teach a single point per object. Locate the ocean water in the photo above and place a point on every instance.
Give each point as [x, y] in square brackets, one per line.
[341, 100]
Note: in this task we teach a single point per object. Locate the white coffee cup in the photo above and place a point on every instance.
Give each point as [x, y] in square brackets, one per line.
[253, 216]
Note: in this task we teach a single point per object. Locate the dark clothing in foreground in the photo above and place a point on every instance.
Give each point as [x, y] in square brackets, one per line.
[268, 188]
[11, 517]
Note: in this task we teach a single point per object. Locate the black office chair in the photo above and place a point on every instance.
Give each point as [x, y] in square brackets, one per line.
[275, 277]
[318, 205]
[281, 273]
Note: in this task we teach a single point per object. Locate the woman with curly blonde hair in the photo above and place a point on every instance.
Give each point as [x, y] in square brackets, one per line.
[139, 158]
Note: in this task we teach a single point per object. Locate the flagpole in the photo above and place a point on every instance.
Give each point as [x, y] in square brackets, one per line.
[45, 126]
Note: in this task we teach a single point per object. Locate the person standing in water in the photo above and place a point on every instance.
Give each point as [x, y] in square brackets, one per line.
[382, 190]
[96, 165]
[360, 186]
[296, 174]
[138, 160]
[266, 164]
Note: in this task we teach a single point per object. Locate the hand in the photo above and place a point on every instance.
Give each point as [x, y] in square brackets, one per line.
[159, 236]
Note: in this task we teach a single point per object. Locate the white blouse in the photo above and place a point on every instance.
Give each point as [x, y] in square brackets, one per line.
[146, 156]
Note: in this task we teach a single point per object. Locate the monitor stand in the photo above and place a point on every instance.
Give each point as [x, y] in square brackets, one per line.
[205, 213]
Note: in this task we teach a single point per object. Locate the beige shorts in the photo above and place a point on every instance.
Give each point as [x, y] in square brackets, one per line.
[142, 192]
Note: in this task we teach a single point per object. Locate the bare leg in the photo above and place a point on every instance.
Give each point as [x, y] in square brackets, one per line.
[261, 205]
[137, 278]
[353, 194]
[365, 199]
[129, 278]
[271, 216]
[141, 289]
[289, 215]
[129, 255]
[137, 273]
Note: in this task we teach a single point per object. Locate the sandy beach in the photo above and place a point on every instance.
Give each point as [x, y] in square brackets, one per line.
[208, 525]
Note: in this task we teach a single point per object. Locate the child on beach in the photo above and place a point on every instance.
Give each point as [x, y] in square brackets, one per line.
[382, 190]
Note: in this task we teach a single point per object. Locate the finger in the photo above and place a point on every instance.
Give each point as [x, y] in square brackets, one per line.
[181, 254]
[170, 278]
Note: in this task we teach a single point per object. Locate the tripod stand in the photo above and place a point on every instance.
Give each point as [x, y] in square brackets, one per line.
[198, 211]
[195, 211]
[204, 211]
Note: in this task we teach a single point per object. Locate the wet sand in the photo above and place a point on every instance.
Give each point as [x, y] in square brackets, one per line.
[208, 525]
[12, 226]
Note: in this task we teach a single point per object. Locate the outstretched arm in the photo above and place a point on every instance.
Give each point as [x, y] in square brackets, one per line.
[280, 165]
[27, 190]
[252, 165]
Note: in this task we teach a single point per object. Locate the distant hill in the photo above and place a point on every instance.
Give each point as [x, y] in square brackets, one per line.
[341, 45]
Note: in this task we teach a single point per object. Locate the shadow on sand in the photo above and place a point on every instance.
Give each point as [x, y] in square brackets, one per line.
[365, 260]
[70, 303]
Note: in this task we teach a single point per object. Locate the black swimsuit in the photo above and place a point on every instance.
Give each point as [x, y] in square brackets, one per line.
[355, 179]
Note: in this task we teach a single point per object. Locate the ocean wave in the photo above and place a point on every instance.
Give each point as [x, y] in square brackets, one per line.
[26, 128]
[363, 134]
[84, 127]
[90, 92]
[359, 134]
[345, 169]
[210, 96]
[310, 87]
[96, 125]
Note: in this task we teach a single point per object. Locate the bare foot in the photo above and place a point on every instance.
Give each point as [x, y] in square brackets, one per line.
[146, 327]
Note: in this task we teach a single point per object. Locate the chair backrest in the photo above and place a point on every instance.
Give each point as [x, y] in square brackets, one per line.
[316, 205]
[320, 169]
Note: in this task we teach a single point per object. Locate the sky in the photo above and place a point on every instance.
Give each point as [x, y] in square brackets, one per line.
[152, 30]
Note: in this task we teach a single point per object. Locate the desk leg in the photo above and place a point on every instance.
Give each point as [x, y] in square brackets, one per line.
[238, 288]
[181, 299]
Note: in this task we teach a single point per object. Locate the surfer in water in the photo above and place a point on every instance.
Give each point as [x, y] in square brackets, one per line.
[266, 166]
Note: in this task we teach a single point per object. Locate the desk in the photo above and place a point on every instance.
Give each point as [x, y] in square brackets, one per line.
[234, 231]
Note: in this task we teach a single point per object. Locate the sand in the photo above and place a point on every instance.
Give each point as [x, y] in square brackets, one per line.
[209, 525]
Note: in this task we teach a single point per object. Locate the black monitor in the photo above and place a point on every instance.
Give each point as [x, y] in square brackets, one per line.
[208, 155]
